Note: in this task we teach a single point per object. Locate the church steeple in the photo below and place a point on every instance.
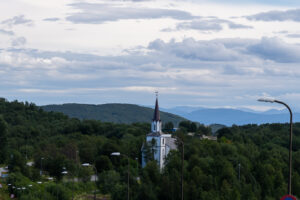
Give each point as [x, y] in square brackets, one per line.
[160, 142]
[156, 122]
[156, 116]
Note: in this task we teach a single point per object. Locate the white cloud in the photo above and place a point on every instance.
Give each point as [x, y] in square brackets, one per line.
[20, 41]
[201, 25]
[18, 20]
[192, 49]
[293, 35]
[92, 13]
[215, 60]
[6, 32]
[292, 15]
[276, 49]
[194, 68]
[208, 24]
[52, 19]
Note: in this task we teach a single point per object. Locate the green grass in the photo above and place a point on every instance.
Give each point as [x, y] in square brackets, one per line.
[91, 196]
[4, 192]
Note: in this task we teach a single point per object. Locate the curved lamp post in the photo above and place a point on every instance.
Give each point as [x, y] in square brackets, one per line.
[87, 165]
[119, 154]
[65, 172]
[291, 137]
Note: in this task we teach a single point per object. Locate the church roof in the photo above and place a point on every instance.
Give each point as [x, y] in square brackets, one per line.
[171, 142]
[157, 134]
[156, 116]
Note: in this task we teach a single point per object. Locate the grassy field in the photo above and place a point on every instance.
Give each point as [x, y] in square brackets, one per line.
[91, 196]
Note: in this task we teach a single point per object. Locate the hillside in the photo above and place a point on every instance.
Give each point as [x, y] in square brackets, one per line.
[117, 113]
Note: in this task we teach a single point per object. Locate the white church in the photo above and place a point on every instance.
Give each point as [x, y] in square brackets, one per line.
[163, 142]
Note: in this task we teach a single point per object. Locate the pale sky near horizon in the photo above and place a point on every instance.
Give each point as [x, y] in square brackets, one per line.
[194, 52]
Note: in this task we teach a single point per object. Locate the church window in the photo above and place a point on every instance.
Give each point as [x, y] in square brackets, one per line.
[163, 142]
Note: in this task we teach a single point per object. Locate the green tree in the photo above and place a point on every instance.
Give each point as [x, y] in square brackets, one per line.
[168, 127]
[3, 139]
[108, 180]
[103, 163]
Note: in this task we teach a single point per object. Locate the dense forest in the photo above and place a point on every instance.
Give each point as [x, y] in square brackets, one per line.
[247, 162]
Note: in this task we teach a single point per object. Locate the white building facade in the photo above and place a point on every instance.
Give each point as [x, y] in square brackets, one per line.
[160, 143]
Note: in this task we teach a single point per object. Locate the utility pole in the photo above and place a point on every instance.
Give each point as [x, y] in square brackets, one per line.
[239, 172]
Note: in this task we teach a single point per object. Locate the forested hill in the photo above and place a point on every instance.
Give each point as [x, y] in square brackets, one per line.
[117, 113]
[247, 162]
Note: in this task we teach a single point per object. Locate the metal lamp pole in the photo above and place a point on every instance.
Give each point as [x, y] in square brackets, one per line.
[182, 164]
[41, 172]
[96, 177]
[239, 172]
[119, 154]
[95, 169]
[75, 173]
[291, 137]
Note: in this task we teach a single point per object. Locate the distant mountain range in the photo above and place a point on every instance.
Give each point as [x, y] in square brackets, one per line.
[117, 113]
[229, 117]
[130, 113]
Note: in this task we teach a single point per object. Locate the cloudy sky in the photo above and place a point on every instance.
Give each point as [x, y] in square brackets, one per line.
[194, 52]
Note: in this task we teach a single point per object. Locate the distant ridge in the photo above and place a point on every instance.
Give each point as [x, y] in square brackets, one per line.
[131, 113]
[113, 112]
[229, 117]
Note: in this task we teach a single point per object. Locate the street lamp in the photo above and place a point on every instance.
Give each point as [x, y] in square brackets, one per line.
[65, 172]
[87, 165]
[29, 189]
[291, 136]
[182, 164]
[119, 154]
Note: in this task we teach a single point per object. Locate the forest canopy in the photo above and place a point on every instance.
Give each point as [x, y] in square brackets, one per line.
[247, 162]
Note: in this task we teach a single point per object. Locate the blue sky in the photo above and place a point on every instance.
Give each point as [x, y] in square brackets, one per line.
[195, 53]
